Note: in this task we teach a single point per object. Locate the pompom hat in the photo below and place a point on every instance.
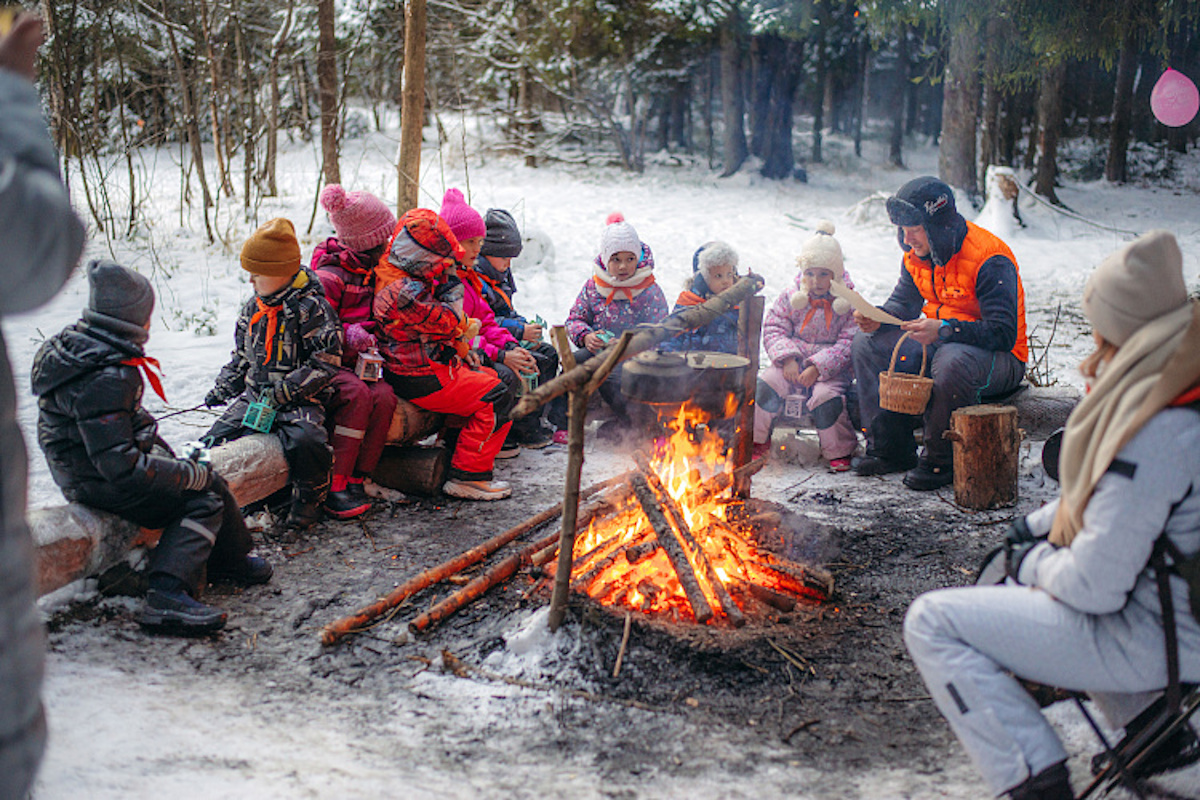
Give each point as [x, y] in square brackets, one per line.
[361, 219]
[1138, 283]
[272, 250]
[464, 221]
[822, 251]
[618, 237]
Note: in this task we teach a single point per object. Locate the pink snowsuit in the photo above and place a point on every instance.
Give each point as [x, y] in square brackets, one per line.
[824, 342]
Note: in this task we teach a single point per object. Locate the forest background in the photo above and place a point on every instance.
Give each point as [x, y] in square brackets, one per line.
[720, 83]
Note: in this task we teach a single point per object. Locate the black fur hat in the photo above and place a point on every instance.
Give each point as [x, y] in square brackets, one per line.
[929, 202]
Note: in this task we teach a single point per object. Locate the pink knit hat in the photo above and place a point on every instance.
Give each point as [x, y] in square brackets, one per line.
[360, 219]
[464, 221]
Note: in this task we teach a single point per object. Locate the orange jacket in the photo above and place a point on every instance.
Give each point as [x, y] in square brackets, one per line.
[949, 290]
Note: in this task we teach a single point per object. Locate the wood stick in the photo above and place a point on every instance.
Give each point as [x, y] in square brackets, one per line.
[673, 547]
[562, 343]
[641, 552]
[644, 338]
[335, 631]
[586, 578]
[496, 574]
[750, 319]
[624, 643]
[675, 514]
[570, 504]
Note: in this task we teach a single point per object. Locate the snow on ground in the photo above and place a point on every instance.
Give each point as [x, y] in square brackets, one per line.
[118, 734]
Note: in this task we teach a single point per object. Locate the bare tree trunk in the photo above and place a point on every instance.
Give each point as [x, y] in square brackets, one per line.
[220, 132]
[1050, 118]
[956, 153]
[822, 79]
[864, 93]
[249, 108]
[1116, 167]
[273, 83]
[412, 111]
[734, 149]
[327, 89]
[786, 57]
[895, 154]
[191, 124]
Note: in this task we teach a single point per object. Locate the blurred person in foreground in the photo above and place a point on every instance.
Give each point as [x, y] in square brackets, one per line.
[40, 244]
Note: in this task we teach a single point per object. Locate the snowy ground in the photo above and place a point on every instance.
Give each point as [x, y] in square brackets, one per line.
[173, 724]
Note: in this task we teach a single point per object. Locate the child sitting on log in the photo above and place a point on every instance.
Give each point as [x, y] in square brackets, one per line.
[361, 410]
[421, 329]
[807, 334]
[621, 294]
[501, 245]
[104, 451]
[287, 349]
[714, 269]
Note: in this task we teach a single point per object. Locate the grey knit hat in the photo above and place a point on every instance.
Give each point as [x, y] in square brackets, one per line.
[117, 292]
[1138, 283]
[503, 238]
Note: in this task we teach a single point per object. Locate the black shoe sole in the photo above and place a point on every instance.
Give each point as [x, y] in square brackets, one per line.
[171, 622]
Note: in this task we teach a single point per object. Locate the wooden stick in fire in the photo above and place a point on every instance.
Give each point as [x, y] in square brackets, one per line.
[335, 631]
[750, 318]
[673, 547]
[675, 513]
[578, 415]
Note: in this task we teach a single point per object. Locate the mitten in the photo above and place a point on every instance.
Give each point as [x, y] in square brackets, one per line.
[215, 397]
[198, 476]
[281, 393]
[1017, 544]
[358, 338]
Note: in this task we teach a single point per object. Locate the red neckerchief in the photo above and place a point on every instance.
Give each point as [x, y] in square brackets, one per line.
[687, 298]
[470, 276]
[1188, 397]
[151, 371]
[272, 315]
[492, 283]
[628, 290]
[813, 305]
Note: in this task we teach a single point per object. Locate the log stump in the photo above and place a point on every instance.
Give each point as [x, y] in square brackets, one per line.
[413, 469]
[986, 455]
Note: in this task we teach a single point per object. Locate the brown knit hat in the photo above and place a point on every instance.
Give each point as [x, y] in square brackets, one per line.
[272, 250]
[1138, 283]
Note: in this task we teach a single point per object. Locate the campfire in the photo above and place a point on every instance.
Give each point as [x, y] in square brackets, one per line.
[684, 550]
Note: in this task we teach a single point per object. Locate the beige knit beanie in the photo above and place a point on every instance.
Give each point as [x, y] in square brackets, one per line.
[822, 251]
[1138, 283]
[272, 250]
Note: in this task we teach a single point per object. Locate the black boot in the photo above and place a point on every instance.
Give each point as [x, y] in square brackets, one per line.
[177, 612]
[346, 505]
[304, 514]
[250, 571]
[926, 477]
[1052, 783]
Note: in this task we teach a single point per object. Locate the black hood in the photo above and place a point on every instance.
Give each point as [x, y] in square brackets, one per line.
[929, 202]
[77, 350]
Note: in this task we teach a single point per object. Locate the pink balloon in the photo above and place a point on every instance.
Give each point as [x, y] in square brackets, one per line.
[1174, 99]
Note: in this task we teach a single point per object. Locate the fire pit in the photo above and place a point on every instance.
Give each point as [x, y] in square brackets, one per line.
[685, 553]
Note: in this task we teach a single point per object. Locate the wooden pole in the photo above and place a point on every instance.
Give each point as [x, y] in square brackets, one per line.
[562, 343]
[673, 547]
[750, 319]
[643, 338]
[337, 630]
[566, 545]
[412, 107]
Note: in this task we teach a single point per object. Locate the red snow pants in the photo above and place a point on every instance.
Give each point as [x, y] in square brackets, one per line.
[360, 414]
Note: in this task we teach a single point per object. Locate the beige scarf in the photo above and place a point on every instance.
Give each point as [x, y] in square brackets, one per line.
[1156, 365]
[609, 287]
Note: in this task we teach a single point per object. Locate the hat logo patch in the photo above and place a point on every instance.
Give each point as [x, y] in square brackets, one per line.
[934, 206]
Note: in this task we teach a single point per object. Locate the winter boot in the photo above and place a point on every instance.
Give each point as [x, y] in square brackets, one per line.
[303, 514]
[468, 489]
[250, 571]
[177, 612]
[926, 477]
[1052, 783]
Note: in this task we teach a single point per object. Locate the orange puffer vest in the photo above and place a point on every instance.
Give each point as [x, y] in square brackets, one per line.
[949, 290]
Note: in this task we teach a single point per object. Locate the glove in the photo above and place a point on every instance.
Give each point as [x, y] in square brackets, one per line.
[215, 397]
[281, 393]
[197, 476]
[359, 338]
[1017, 544]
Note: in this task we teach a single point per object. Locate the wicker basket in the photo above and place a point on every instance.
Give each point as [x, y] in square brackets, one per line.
[901, 392]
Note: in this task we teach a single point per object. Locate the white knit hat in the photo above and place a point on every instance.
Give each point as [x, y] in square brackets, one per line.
[1138, 283]
[822, 251]
[618, 237]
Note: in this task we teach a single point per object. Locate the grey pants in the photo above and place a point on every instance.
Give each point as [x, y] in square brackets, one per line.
[963, 375]
[967, 641]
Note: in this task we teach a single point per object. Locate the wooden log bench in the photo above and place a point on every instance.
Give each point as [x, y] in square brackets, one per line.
[74, 541]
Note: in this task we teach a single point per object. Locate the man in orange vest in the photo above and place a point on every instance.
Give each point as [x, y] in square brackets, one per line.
[961, 293]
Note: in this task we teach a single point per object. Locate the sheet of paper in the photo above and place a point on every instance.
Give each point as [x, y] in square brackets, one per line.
[861, 305]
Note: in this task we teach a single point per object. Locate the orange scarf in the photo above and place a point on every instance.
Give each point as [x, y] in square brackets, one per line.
[151, 372]
[609, 290]
[272, 315]
[813, 304]
[496, 287]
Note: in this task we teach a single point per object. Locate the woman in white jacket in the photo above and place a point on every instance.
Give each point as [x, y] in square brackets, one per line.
[1080, 609]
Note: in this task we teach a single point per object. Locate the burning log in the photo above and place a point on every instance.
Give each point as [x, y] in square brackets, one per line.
[685, 532]
[792, 578]
[750, 319]
[673, 547]
[641, 552]
[586, 578]
[347, 625]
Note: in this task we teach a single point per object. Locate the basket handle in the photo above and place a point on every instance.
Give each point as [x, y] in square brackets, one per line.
[896, 351]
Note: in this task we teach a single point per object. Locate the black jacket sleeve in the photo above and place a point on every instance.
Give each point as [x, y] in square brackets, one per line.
[996, 286]
[105, 415]
[232, 378]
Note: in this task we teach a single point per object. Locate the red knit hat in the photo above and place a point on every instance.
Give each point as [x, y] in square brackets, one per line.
[463, 220]
[361, 219]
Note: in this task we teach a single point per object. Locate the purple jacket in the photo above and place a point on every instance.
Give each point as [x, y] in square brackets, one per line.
[826, 348]
[592, 313]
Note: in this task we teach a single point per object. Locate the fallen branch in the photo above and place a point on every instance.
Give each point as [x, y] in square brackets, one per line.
[624, 643]
[337, 630]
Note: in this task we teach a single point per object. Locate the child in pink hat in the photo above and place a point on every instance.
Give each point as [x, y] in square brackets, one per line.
[360, 411]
